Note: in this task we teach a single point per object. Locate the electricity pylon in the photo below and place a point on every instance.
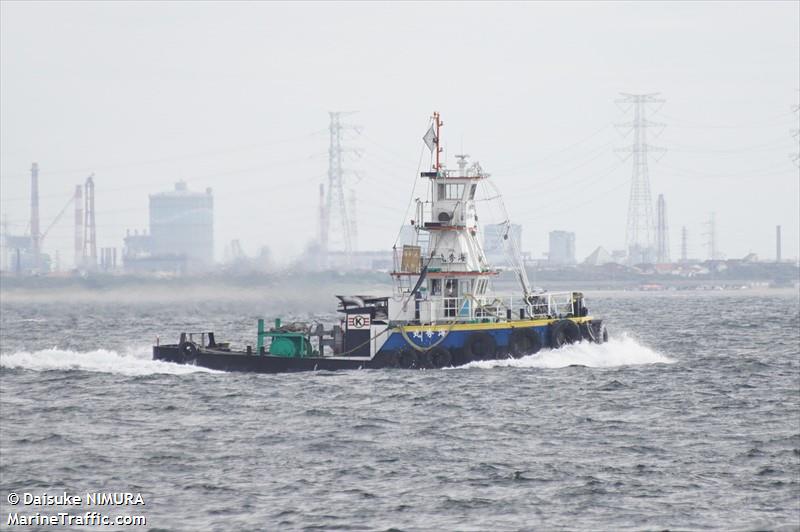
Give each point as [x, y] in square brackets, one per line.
[336, 220]
[640, 231]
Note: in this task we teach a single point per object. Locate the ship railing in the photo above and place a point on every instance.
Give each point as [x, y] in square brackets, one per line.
[556, 304]
[206, 338]
[495, 308]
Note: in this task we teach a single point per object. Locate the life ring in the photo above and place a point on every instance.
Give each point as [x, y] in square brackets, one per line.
[440, 357]
[479, 346]
[524, 342]
[407, 359]
[564, 332]
[188, 351]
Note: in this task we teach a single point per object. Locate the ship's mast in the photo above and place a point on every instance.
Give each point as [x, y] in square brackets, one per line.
[437, 124]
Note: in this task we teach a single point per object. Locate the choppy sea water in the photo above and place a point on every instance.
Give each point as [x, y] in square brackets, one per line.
[689, 418]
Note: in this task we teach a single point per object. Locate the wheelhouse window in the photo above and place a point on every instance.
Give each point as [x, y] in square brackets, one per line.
[450, 191]
[436, 287]
[451, 288]
[480, 287]
[451, 299]
[466, 286]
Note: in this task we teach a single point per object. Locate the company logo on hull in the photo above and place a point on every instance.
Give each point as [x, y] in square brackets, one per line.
[358, 321]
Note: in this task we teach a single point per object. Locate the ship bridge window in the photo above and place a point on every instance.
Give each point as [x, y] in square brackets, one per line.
[480, 287]
[466, 286]
[436, 287]
[450, 287]
[472, 190]
[450, 191]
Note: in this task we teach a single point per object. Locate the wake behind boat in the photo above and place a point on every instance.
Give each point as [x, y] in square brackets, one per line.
[443, 311]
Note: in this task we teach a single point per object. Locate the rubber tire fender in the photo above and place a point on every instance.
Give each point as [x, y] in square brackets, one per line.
[407, 359]
[587, 331]
[389, 359]
[479, 346]
[188, 351]
[424, 360]
[564, 332]
[524, 342]
[440, 357]
[600, 332]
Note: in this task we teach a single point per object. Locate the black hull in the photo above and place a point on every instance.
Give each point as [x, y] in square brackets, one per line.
[239, 361]
[400, 355]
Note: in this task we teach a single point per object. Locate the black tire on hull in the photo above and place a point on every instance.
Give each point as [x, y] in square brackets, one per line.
[440, 357]
[524, 342]
[424, 360]
[188, 351]
[594, 331]
[503, 352]
[390, 359]
[480, 346]
[407, 359]
[600, 332]
[460, 357]
[564, 332]
[587, 331]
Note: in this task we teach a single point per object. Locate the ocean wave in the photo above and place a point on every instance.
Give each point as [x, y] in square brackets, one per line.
[132, 362]
[618, 351]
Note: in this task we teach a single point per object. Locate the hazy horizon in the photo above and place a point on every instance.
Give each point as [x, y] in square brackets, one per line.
[235, 96]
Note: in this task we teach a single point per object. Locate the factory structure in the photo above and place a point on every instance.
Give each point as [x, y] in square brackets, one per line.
[180, 239]
[181, 235]
[24, 255]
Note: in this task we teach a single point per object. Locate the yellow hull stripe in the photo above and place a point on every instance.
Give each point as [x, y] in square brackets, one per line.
[489, 326]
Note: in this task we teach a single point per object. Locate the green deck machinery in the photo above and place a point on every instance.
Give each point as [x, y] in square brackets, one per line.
[284, 343]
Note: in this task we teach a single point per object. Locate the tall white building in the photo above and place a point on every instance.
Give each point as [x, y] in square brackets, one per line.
[562, 248]
[182, 222]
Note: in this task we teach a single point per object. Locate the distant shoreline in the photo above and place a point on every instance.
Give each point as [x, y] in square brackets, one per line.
[296, 287]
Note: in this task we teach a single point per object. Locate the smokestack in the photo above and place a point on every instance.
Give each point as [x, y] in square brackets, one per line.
[89, 229]
[684, 245]
[35, 215]
[777, 243]
[79, 227]
[662, 237]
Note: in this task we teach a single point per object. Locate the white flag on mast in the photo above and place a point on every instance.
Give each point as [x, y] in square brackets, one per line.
[430, 138]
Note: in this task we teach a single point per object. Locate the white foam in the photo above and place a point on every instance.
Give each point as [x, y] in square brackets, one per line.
[618, 351]
[133, 362]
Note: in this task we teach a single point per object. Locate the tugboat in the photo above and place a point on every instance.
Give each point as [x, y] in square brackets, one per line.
[443, 311]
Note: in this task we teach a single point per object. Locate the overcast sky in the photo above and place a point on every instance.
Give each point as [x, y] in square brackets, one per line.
[236, 97]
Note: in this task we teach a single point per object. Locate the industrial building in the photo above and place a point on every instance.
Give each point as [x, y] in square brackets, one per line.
[561, 251]
[181, 237]
[18, 256]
